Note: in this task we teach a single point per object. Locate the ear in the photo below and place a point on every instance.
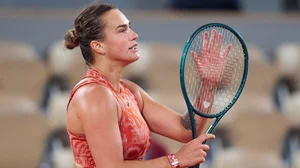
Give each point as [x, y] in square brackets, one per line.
[98, 47]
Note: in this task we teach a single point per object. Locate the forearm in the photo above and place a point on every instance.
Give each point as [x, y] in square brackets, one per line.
[203, 104]
[161, 162]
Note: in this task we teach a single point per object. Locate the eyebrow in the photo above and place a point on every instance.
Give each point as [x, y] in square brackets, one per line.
[123, 25]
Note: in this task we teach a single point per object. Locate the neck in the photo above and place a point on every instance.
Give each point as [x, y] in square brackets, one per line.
[112, 72]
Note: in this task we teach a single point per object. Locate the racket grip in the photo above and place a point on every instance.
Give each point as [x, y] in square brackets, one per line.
[198, 165]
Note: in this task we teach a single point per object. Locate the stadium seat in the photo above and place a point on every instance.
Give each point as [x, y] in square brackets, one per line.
[27, 77]
[65, 63]
[23, 139]
[17, 50]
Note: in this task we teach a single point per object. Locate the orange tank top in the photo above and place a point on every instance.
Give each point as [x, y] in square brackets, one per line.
[134, 131]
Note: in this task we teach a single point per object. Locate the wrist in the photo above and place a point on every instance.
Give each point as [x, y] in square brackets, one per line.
[173, 161]
[209, 84]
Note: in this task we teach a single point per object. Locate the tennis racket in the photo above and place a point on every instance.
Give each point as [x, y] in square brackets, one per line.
[213, 72]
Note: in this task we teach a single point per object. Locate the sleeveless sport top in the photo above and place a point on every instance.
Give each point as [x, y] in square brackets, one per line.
[134, 131]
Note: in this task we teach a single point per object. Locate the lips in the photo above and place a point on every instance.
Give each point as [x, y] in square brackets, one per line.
[133, 47]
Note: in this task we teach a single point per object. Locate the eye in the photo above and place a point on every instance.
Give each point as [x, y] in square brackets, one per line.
[123, 30]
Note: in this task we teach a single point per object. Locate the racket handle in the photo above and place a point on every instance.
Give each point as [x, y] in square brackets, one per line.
[198, 166]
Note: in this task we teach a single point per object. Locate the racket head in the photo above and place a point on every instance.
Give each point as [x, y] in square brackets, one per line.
[239, 44]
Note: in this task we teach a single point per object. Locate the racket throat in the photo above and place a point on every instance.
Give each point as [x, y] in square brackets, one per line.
[212, 127]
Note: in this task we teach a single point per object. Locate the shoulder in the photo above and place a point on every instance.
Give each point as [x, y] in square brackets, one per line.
[93, 97]
[92, 90]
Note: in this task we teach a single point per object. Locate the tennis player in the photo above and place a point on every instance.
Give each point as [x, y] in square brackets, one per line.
[109, 119]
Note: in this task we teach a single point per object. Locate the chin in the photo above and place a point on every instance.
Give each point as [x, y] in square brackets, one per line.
[135, 57]
[131, 60]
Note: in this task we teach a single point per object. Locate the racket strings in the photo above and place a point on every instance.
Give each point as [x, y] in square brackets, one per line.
[228, 81]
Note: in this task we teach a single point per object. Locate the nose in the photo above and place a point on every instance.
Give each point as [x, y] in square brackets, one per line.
[134, 35]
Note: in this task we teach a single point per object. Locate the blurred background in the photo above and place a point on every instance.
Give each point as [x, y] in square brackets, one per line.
[37, 73]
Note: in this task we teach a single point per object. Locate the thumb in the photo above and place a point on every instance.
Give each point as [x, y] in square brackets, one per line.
[226, 52]
[195, 56]
[205, 137]
[197, 61]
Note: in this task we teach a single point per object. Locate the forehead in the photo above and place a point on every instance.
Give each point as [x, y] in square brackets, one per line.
[114, 18]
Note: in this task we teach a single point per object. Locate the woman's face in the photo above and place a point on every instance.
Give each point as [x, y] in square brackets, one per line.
[120, 40]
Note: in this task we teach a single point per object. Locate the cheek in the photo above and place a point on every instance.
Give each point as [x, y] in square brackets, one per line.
[119, 45]
[121, 48]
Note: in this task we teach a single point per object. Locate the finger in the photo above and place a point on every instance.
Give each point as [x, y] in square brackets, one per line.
[219, 43]
[197, 60]
[202, 160]
[205, 41]
[205, 147]
[204, 154]
[194, 54]
[205, 137]
[196, 57]
[226, 52]
[212, 40]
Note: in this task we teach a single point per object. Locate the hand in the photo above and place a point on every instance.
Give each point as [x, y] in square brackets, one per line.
[210, 66]
[193, 152]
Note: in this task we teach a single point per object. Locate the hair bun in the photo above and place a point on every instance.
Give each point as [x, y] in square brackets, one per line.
[71, 39]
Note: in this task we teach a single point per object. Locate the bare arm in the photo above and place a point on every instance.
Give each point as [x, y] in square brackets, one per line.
[163, 120]
[98, 113]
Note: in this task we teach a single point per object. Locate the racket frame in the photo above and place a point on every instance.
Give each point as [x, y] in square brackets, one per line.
[191, 109]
